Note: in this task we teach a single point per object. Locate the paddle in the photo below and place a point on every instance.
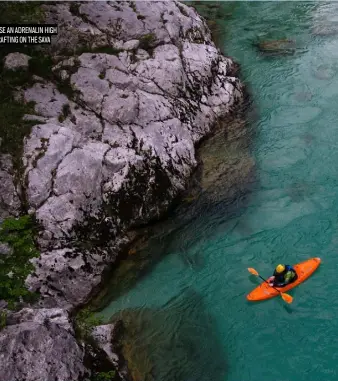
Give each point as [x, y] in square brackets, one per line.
[286, 297]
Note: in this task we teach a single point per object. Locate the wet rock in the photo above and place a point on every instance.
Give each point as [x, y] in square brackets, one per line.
[280, 47]
[37, 337]
[227, 166]
[299, 191]
[15, 61]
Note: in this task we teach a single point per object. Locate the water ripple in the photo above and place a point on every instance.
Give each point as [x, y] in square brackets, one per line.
[195, 323]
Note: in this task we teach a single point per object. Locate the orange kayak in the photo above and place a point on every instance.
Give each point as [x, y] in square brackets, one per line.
[303, 270]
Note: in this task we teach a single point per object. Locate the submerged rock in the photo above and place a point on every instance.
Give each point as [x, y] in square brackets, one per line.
[325, 72]
[222, 183]
[308, 138]
[177, 342]
[325, 29]
[299, 191]
[303, 96]
[227, 166]
[280, 47]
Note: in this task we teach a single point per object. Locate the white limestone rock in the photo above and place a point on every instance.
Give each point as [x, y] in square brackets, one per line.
[118, 148]
[15, 61]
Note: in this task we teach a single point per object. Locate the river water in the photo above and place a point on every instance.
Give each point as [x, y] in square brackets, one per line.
[196, 324]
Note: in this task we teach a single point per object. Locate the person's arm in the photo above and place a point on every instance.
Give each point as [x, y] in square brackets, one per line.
[271, 280]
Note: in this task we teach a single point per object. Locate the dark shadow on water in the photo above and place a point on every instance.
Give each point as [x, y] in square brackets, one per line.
[181, 235]
[219, 191]
[178, 342]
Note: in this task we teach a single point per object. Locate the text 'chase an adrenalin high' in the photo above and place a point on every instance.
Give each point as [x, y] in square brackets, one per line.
[27, 34]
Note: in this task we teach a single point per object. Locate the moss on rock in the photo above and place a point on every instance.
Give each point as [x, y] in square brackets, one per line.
[19, 234]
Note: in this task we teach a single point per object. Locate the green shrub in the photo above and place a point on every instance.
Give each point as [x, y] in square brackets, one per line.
[19, 234]
[85, 321]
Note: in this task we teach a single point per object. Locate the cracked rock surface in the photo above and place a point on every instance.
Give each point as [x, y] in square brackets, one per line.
[9, 197]
[136, 87]
[33, 338]
[124, 147]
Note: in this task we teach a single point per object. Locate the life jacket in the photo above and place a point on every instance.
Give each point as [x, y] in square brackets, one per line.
[285, 277]
[289, 273]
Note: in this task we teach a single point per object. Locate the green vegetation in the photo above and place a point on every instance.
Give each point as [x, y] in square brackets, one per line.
[19, 234]
[85, 321]
[3, 319]
[40, 65]
[147, 41]
[29, 12]
[133, 6]
[104, 376]
[102, 75]
[41, 151]
[75, 9]
[65, 112]
[12, 128]
[101, 367]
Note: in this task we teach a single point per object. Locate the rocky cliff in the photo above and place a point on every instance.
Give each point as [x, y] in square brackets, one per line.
[132, 88]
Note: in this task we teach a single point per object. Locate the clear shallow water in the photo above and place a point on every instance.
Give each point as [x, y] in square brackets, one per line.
[202, 327]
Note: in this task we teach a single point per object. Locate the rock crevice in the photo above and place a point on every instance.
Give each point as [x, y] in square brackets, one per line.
[140, 87]
[154, 112]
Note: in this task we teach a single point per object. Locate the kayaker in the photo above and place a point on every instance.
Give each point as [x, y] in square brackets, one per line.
[282, 276]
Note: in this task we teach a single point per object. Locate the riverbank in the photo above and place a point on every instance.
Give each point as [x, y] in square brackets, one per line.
[115, 110]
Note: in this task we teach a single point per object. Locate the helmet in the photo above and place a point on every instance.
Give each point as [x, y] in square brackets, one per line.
[280, 268]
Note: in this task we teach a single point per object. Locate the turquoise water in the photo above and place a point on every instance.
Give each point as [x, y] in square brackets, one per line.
[291, 215]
